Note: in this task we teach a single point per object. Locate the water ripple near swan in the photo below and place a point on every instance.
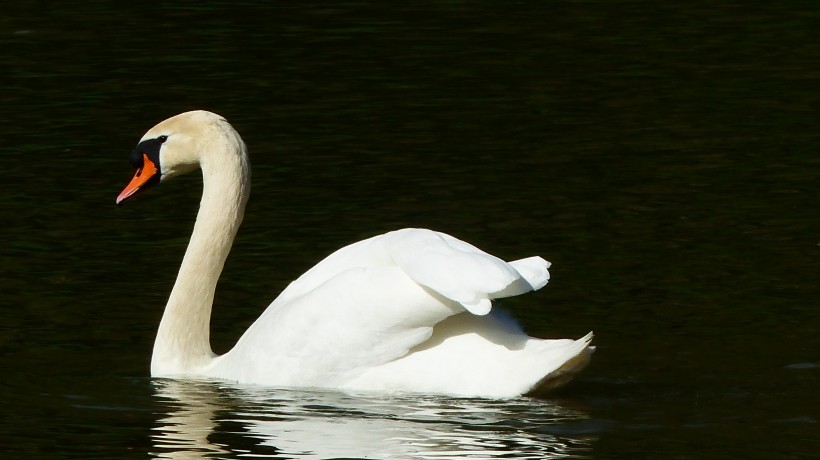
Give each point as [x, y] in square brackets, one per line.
[214, 419]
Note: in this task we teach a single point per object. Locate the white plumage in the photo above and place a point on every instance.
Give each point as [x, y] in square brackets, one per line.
[408, 310]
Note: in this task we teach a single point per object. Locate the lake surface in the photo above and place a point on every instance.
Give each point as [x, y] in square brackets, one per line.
[664, 158]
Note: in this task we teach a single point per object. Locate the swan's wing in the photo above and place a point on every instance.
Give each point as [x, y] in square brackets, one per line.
[357, 319]
[453, 268]
[368, 304]
[460, 271]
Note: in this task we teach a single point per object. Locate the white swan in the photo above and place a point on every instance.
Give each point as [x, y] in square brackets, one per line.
[407, 311]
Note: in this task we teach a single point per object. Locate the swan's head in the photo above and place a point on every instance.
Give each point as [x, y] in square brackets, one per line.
[172, 147]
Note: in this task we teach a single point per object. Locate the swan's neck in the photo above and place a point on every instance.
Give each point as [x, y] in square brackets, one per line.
[183, 344]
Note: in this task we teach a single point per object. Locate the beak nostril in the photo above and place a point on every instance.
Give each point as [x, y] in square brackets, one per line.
[146, 168]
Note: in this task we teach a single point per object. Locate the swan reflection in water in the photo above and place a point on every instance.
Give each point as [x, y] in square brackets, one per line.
[205, 419]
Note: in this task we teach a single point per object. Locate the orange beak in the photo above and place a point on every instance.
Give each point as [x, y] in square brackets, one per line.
[142, 176]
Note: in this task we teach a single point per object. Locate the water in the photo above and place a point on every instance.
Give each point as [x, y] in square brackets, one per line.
[664, 158]
[326, 424]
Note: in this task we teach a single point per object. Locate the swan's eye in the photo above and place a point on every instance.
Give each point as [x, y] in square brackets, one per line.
[162, 138]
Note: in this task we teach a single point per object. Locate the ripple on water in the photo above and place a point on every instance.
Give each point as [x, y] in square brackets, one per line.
[321, 424]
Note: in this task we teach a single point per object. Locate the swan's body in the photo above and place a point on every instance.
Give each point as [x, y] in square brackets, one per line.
[408, 310]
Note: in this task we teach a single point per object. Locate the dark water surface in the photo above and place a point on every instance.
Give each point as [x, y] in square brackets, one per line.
[664, 158]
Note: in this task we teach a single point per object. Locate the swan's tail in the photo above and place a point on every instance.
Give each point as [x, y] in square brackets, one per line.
[578, 356]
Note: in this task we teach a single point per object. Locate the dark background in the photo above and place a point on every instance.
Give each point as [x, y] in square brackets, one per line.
[664, 158]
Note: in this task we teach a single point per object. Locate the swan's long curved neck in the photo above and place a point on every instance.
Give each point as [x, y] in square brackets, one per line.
[183, 340]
